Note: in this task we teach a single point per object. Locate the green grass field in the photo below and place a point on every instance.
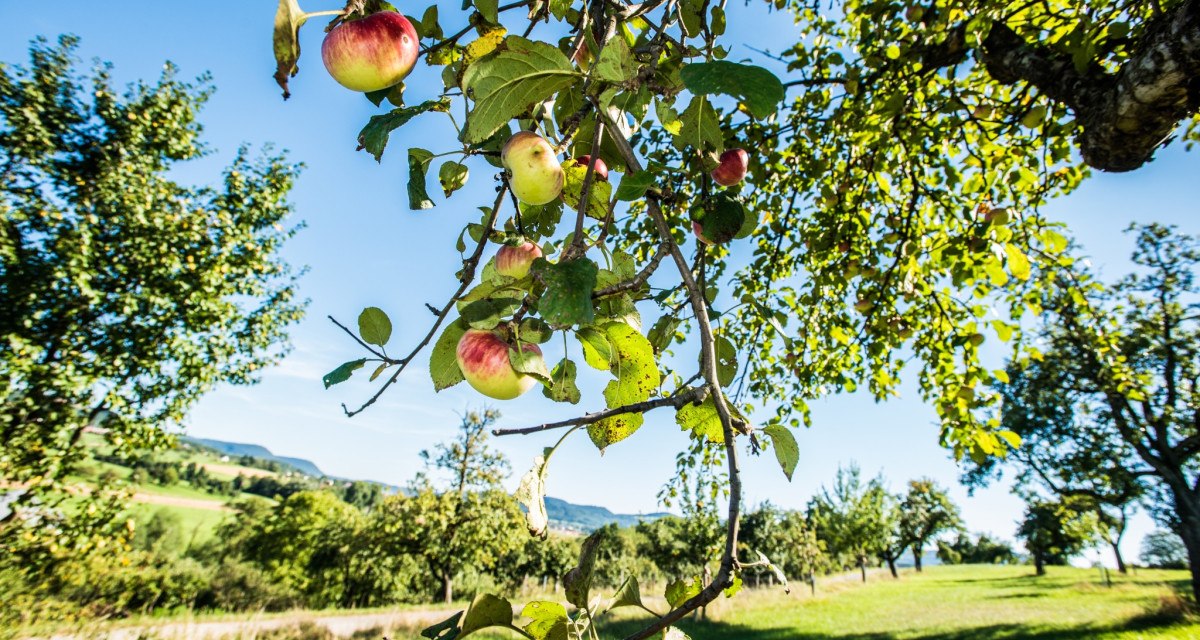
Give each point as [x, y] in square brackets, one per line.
[958, 603]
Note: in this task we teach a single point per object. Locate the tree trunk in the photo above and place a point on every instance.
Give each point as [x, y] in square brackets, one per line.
[1116, 548]
[862, 565]
[1187, 507]
[447, 587]
[918, 550]
[891, 562]
[1039, 564]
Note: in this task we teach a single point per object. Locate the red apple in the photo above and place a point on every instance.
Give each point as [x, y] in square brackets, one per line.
[483, 358]
[601, 168]
[732, 167]
[371, 53]
[699, 231]
[514, 262]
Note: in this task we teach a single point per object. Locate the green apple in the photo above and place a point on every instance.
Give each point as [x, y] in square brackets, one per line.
[536, 177]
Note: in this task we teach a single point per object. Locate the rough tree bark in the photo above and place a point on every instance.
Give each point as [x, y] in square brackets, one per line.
[1123, 116]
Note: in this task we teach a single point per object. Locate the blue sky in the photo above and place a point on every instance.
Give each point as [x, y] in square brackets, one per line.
[363, 247]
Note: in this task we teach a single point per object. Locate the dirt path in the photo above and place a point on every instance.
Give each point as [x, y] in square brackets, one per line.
[342, 626]
[176, 501]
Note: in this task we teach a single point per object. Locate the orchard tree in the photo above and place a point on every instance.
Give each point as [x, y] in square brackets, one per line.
[852, 517]
[883, 209]
[926, 511]
[468, 521]
[1163, 550]
[125, 295]
[1123, 362]
[1056, 531]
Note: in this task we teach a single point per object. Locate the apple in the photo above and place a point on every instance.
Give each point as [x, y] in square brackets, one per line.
[537, 177]
[731, 168]
[699, 231]
[601, 169]
[997, 217]
[483, 358]
[514, 261]
[371, 53]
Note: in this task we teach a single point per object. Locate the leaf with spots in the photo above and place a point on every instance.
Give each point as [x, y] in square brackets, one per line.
[637, 377]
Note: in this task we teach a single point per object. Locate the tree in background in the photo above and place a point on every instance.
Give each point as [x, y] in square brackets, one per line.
[851, 517]
[786, 538]
[926, 511]
[1055, 531]
[469, 521]
[286, 540]
[1066, 448]
[125, 296]
[1163, 550]
[1123, 360]
[980, 550]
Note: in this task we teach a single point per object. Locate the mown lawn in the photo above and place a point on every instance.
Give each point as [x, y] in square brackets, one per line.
[958, 603]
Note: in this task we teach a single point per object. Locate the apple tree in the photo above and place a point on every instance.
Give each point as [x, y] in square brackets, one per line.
[124, 295]
[877, 208]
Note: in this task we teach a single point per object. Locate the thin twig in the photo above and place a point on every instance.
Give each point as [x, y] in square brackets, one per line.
[468, 276]
[638, 280]
[677, 400]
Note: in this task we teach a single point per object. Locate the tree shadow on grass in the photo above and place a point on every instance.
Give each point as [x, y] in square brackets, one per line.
[701, 630]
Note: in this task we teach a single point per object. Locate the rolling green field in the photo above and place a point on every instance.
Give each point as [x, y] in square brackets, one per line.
[960, 603]
[948, 603]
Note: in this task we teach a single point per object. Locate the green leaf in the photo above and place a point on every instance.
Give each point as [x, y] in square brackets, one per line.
[548, 620]
[616, 62]
[535, 330]
[734, 587]
[443, 361]
[418, 166]
[787, 452]
[288, 20]
[668, 117]
[598, 193]
[374, 326]
[445, 630]
[1018, 264]
[779, 575]
[681, 591]
[635, 185]
[721, 217]
[577, 583]
[627, 595]
[486, 313]
[342, 373]
[702, 420]
[754, 86]
[726, 355]
[691, 13]
[486, 610]
[1010, 437]
[452, 176]
[568, 297]
[637, 377]
[489, 10]
[597, 350]
[374, 136]
[700, 127]
[532, 494]
[663, 332]
[562, 383]
[508, 83]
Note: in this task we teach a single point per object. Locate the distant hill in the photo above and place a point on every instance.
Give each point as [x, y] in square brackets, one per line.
[235, 449]
[563, 515]
[587, 518]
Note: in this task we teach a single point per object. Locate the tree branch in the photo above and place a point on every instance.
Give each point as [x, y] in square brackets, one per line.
[468, 276]
[677, 400]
